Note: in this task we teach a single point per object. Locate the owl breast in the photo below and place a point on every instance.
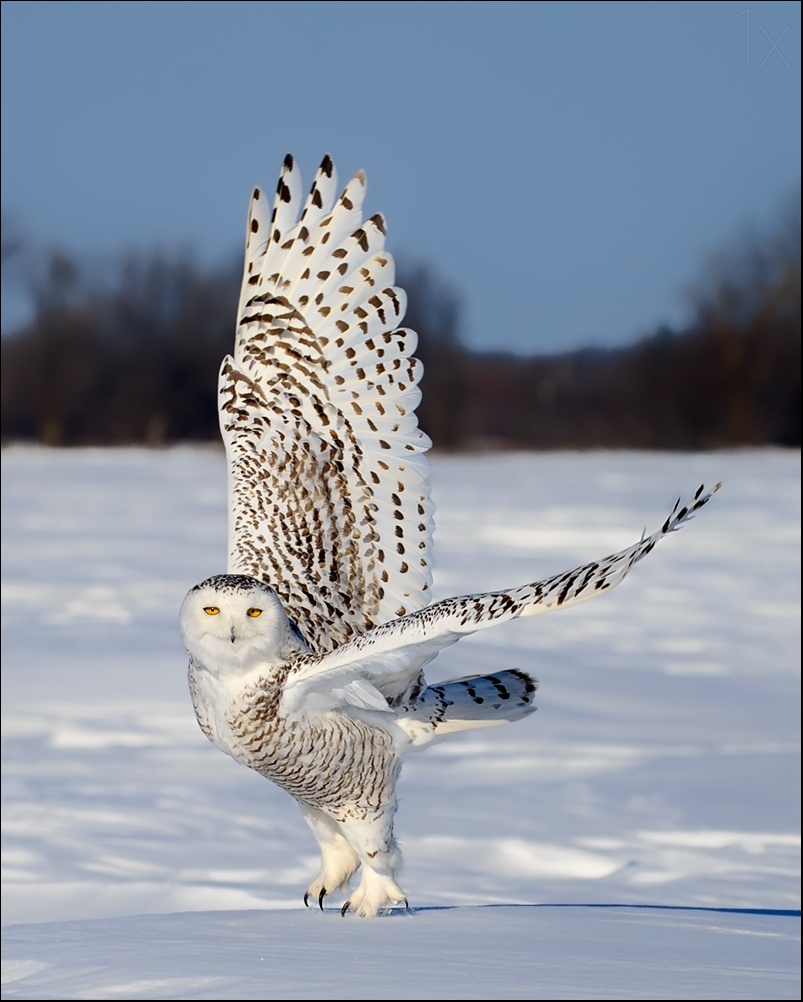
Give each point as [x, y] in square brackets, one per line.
[332, 761]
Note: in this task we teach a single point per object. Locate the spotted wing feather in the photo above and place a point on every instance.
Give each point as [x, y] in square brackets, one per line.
[328, 480]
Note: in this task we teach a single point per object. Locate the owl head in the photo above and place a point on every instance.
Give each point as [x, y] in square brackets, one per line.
[232, 623]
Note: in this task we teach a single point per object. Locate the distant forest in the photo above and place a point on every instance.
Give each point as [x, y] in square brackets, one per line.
[133, 358]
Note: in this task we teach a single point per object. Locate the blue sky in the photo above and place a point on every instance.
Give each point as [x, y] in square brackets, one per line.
[567, 167]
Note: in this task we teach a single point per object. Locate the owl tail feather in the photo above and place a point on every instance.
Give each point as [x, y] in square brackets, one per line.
[467, 703]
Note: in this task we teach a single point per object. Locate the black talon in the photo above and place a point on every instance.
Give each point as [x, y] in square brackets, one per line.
[306, 899]
[321, 896]
[345, 908]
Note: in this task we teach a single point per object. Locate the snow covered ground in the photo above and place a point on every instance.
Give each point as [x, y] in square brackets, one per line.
[638, 837]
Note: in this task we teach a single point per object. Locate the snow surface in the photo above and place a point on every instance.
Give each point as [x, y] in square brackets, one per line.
[638, 837]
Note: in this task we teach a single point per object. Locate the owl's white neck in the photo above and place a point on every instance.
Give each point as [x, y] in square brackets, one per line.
[235, 662]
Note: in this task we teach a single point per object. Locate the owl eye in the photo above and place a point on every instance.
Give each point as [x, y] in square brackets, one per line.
[211, 610]
[253, 613]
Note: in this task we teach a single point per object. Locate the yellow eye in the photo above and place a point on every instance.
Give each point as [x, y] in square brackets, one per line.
[211, 610]
[253, 613]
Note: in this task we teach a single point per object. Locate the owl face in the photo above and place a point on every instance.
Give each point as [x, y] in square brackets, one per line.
[234, 622]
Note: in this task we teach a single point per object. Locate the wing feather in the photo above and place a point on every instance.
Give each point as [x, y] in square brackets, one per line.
[329, 497]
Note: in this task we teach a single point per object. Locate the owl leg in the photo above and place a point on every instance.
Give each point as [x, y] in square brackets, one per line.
[373, 841]
[338, 859]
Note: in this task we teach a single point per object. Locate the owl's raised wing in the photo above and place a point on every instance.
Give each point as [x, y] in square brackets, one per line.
[328, 486]
[386, 662]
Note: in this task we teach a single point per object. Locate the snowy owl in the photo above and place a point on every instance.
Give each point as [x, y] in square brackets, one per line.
[307, 656]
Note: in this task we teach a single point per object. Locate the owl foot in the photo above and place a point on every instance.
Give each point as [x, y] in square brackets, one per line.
[338, 863]
[375, 893]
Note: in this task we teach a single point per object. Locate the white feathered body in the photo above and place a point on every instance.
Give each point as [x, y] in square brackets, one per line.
[336, 742]
[334, 762]
[307, 657]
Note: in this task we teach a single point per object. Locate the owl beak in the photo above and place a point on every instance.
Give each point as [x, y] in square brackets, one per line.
[233, 635]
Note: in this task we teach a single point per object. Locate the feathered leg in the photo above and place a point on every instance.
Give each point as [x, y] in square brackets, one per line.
[372, 839]
[338, 859]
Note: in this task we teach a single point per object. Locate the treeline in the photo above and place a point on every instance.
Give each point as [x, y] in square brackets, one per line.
[134, 359]
[731, 378]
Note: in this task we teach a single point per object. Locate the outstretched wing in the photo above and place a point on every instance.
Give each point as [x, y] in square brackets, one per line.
[391, 657]
[329, 497]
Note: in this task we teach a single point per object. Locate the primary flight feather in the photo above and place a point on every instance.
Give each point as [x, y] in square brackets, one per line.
[307, 656]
